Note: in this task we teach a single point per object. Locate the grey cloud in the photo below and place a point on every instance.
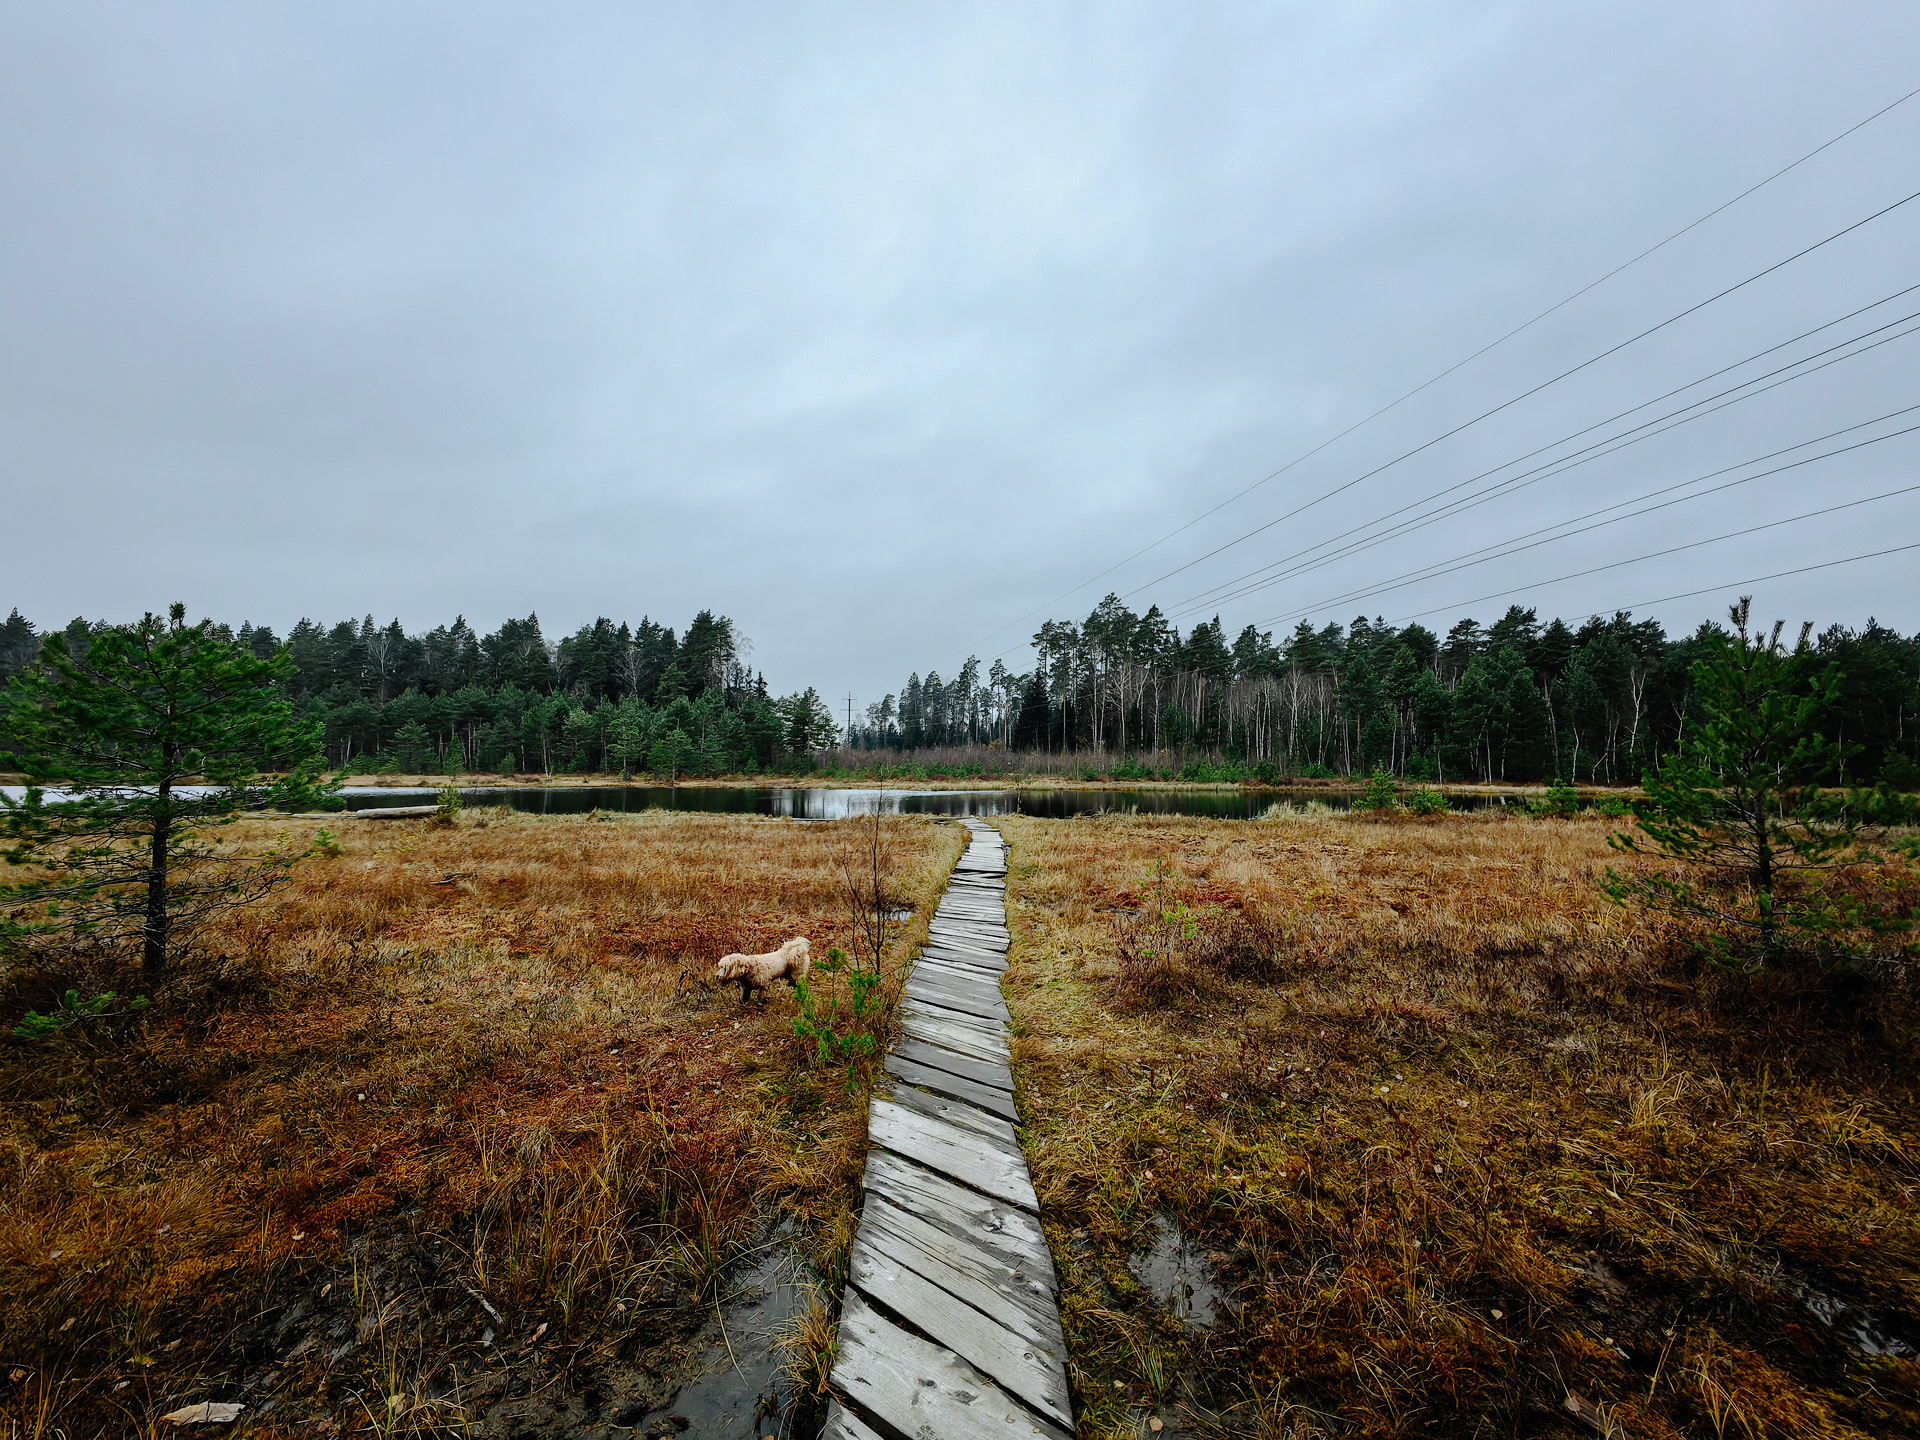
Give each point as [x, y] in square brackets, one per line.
[876, 328]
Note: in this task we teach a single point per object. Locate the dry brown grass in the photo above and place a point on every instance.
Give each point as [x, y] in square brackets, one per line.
[457, 1077]
[1460, 1135]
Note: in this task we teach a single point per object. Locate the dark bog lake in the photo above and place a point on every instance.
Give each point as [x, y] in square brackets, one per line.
[821, 803]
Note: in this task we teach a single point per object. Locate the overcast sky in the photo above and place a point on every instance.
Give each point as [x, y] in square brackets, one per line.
[878, 328]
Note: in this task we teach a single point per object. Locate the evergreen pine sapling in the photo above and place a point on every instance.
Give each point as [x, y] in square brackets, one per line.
[155, 734]
[1738, 800]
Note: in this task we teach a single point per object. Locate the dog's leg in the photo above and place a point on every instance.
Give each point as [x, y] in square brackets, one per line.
[746, 985]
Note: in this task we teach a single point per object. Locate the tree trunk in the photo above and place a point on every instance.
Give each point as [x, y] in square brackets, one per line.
[153, 953]
[1763, 882]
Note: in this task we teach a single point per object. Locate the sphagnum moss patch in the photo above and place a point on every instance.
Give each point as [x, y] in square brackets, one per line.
[451, 1085]
[1463, 1140]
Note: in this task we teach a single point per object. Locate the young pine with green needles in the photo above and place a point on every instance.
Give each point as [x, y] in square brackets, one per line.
[156, 736]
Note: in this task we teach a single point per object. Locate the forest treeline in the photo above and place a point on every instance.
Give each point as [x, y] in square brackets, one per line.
[606, 698]
[1517, 700]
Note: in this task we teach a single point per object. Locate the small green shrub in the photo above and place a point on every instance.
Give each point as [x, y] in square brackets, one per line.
[72, 1010]
[857, 1045]
[1382, 795]
[1425, 800]
[446, 809]
[326, 844]
[1614, 807]
[1560, 799]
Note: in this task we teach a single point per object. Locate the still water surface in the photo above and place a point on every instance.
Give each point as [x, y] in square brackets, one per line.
[835, 804]
[825, 803]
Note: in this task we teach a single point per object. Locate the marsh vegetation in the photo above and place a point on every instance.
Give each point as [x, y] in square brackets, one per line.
[1467, 1147]
[453, 1125]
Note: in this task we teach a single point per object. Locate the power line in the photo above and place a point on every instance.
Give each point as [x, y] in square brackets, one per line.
[1247, 583]
[1426, 384]
[1777, 575]
[1598, 450]
[1218, 593]
[1661, 554]
[1526, 394]
[1515, 547]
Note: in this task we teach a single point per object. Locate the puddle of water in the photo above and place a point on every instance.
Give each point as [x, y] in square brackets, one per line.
[738, 1391]
[1854, 1324]
[1178, 1275]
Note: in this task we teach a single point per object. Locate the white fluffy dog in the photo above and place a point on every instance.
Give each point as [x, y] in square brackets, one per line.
[756, 972]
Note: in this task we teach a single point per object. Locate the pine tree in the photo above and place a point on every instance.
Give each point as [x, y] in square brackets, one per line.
[1737, 798]
[155, 734]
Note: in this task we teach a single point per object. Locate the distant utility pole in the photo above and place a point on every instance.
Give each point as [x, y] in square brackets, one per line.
[849, 714]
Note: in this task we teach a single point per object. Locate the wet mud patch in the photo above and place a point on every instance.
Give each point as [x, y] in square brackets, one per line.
[1162, 1302]
[741, 1391]
[722, 1377]
[1178, 1272]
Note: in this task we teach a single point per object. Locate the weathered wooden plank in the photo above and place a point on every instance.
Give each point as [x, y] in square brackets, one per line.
[982, 1072]
[975, 983]
[1030, 1370]
[956, 1153]
[980, 952]
[943, 966]
[978, 1274]
[960, 969]
[957, 1038]
[978, 1028]
[970, 954]
[993, 933]
[987, 1097]
[963, 966]
[949, 1028]
[843, 1424]
[990, 1028]
[945, 970]
[987, 1223]
[968, 939]
[958, 1112]
[923, 1390]
[990, 1013]
[948, 1262]
[965, 918]
[982, 1002]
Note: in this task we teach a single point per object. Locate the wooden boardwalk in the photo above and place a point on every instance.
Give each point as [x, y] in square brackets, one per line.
[950, 1326]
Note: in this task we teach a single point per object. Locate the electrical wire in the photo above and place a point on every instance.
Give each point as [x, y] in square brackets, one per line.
[1250, 582]
[1426, 384]
[1347, 485]
[1514, 546]
[1661, 554]
[1777, 575]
